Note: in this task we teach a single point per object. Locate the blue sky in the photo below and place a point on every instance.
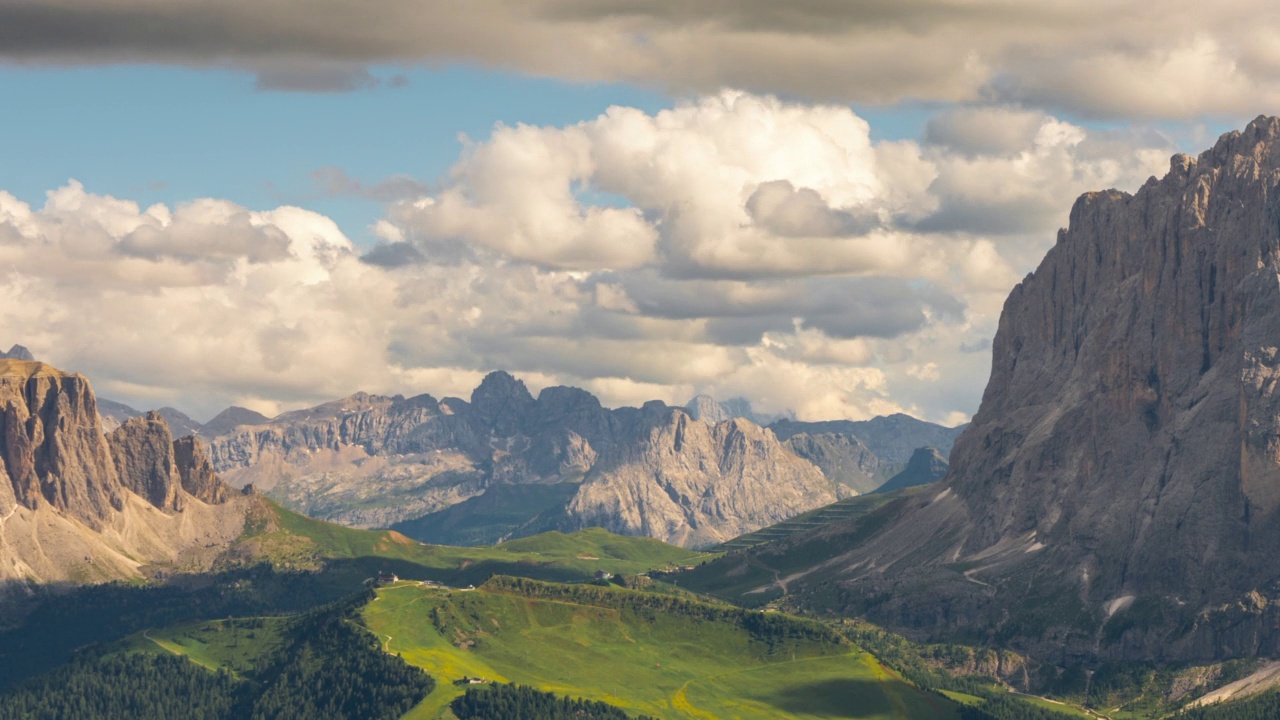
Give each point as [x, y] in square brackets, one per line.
[166, 134]
[171, 134]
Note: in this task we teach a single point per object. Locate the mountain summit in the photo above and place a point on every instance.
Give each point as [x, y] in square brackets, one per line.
[1118, 492]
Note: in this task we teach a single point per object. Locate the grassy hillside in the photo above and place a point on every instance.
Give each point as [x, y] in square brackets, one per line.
[652, 654]
[290, 541]
[502, 511]
[840, 511]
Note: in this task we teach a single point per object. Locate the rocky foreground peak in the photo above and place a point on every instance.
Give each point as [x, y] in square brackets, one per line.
[1126, 455]
[53, 452]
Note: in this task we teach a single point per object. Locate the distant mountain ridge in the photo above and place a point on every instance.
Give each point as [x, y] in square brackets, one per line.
[447, 470]
[17, 352]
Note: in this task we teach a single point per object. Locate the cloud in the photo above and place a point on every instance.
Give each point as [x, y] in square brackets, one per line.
[736, 244]
[311, 76]
[335, 182]
[1110, 57]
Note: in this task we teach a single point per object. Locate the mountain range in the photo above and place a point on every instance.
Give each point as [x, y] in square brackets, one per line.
[506, 464]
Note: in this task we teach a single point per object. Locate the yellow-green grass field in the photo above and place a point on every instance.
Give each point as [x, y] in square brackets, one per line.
[661, 663]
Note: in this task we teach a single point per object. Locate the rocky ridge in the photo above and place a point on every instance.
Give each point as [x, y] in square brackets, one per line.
[652, 470]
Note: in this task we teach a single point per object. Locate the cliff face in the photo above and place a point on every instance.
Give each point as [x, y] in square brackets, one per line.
[143, 452]
[695, 484]
[52, 445]
[78, 505]
[195, 472]
[1118, 492]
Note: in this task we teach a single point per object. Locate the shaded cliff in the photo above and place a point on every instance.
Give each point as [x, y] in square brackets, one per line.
[1117, 494]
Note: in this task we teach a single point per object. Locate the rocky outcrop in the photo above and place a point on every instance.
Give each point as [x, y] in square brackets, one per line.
[1118, 492]
[925, 466]
[195, 472]
[142, 449]
[52, 446]
[710, 410]
[164, 471]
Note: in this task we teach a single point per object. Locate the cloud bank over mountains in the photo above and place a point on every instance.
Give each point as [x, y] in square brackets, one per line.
[736, 244]
[1177, 59]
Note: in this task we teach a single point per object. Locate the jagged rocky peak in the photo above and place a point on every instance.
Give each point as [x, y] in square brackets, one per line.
[196, 474]
[52, 449]
[230, 419]
[142, 448]
[1128, 441]
[706, 409]
[17, 352]
[503, 401]
[162, 470]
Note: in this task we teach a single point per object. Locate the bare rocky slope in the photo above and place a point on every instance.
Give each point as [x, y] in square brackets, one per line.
[77, 505]
[1118, 493]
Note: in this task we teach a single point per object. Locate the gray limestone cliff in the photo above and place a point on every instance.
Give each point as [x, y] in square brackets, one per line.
[1118, 492]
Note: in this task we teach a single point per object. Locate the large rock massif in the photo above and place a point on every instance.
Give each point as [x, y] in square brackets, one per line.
[506, 464]
[1118, 492]
[78, 505]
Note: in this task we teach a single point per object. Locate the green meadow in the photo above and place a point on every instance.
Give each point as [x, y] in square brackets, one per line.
[670, 658]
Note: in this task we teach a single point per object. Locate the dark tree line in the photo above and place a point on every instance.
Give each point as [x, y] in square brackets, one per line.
[1006, 707]
[42, 633]
[328, 668]
[517, 702]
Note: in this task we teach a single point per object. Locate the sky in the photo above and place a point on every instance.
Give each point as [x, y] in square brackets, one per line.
[819, 206]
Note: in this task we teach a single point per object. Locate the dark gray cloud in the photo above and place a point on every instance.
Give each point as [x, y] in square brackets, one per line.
[314, 77]
[334, 181]
[740, 313]
[392, 255]
[984, 130]
[1110, 57]
[788, 211]
[193, 241]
